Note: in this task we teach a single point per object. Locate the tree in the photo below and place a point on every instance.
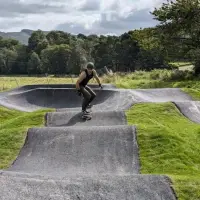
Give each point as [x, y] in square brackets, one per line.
[104, 52]
[34, 64]
[152, 53]
[181, 20]
[79, 57]
[127, 53]
[21, 61]
[55, 59]
[147, 38]
[100, 53]
[37, 42]
[7, 60]
[58, 37]
[8, 43]
[151, 59]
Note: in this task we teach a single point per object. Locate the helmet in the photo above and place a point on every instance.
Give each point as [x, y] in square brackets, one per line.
[90, 65]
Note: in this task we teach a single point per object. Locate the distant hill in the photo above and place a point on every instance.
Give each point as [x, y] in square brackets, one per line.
[21, 36]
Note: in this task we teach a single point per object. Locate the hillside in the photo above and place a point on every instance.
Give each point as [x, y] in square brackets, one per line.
[21, 36]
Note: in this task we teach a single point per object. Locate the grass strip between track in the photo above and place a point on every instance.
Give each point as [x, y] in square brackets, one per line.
[13, 130]
[169, 145]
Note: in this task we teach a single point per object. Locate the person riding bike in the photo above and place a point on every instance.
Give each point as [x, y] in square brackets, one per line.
[83, 89]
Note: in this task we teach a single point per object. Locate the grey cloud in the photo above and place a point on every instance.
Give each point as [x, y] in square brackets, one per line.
[90, 5]
[114, 6]
[117, 24]
[14, 8]
[11, 23]
[134, 20]
[72, 28]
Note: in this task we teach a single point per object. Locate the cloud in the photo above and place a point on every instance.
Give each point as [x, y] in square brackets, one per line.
[6, 23]
[17, 8]
[90, 5]
[112, 23]
[77, 16]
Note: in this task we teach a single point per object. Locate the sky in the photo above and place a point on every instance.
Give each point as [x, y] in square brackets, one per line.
[77, 16]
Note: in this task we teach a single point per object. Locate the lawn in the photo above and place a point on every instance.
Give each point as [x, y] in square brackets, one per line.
[153, 79]
[169, 144]
[10, 82]
[13, 131]
[180, 64]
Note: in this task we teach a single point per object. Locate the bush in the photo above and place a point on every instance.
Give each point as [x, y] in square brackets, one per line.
[155, 75]
[171, 75]
[138, 75]
[181, 75]
[197, 66]
[165, 76]
[173, 66]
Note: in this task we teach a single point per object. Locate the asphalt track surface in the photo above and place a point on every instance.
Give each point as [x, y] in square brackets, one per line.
[89, 160]
[190, 110]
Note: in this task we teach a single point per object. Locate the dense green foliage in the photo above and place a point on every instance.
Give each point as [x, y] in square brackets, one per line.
[180, 28]
[62, 53]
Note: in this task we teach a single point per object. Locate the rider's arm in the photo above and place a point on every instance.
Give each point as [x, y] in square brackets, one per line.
[81, 77]
[96, 77]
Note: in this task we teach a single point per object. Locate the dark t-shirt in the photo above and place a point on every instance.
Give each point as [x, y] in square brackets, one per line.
[85, 81]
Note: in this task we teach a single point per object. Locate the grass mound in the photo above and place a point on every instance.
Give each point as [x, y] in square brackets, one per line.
[13, 130]
[169, 144]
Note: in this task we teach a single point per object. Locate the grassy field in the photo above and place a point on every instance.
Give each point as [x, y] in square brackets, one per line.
[183, 65]
[10, 82]
[180, 64]
[154, 79]
[13, 130]
[169, 144]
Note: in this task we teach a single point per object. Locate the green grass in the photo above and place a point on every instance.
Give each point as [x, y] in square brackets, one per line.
[187, 187]
[169, 144]
[13, 130]
[157, 79]
[9, 82]
[195, 93]
[180, 64]
[154, 79]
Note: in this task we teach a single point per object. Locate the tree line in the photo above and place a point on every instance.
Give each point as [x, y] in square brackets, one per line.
[176, 38]
[62, 53]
